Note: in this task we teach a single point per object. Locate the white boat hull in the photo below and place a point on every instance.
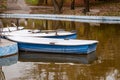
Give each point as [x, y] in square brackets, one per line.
[42, 33]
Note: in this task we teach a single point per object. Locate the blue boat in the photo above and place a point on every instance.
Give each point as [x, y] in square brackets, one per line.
[43, 33]
[52, 45]
[8, 48]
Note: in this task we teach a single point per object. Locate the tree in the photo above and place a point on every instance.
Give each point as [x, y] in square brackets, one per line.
[46, 1]
[58, 4]
[72, 4]
[86, 4]
[40, 2]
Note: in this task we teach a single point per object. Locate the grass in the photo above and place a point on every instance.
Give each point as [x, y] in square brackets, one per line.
[32, 2]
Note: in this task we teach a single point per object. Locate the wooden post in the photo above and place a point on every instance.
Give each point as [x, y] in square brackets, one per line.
[17, 23]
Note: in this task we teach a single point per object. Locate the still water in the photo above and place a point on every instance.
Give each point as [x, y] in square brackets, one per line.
[103, 64]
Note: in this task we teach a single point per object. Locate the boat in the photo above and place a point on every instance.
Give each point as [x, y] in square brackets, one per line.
[10, 29]
[43, 33]
[8, 48]
[53, 45]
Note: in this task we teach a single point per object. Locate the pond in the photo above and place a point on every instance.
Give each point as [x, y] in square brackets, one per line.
[103, 64]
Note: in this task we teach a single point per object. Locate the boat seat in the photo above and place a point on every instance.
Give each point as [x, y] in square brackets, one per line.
[53, 43]
[34, 31]
[73, 31]
[66, 38]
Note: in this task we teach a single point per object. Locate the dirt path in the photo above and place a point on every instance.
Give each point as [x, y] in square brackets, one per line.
[17, 6]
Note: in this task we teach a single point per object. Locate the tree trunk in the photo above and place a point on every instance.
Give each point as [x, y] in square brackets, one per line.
[58, 4]
[46, 1]
[40, 2]
[72, 4]
[86, 4]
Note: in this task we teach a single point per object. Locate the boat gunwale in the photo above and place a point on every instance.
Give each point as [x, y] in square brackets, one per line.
[58, 44]
[94, 42]
[34, 34]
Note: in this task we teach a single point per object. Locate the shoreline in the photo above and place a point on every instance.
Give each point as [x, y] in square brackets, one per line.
[96, 9]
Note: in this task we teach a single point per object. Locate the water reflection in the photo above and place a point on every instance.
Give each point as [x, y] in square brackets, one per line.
[2, 76]
[61, 67]
[57, 58]
[7, 61]
[56, 66]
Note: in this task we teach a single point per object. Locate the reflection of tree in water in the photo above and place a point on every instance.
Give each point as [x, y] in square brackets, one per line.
[45, 24]
[57, 24]
[102, 69]
[64, 72]
[2, 76]
[64, 25]
[49, 24]
[87, 30]
[72, 25]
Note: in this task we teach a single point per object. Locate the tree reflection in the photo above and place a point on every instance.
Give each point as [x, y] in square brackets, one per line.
[107, 51]
[57, 24]
[2, 76]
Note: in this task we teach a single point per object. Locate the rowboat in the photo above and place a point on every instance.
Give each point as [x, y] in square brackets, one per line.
[8, 48]
[10, 29]
[52, 45]
[43, 33]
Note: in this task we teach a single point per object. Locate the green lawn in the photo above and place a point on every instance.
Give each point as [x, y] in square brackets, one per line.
[32, 2]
